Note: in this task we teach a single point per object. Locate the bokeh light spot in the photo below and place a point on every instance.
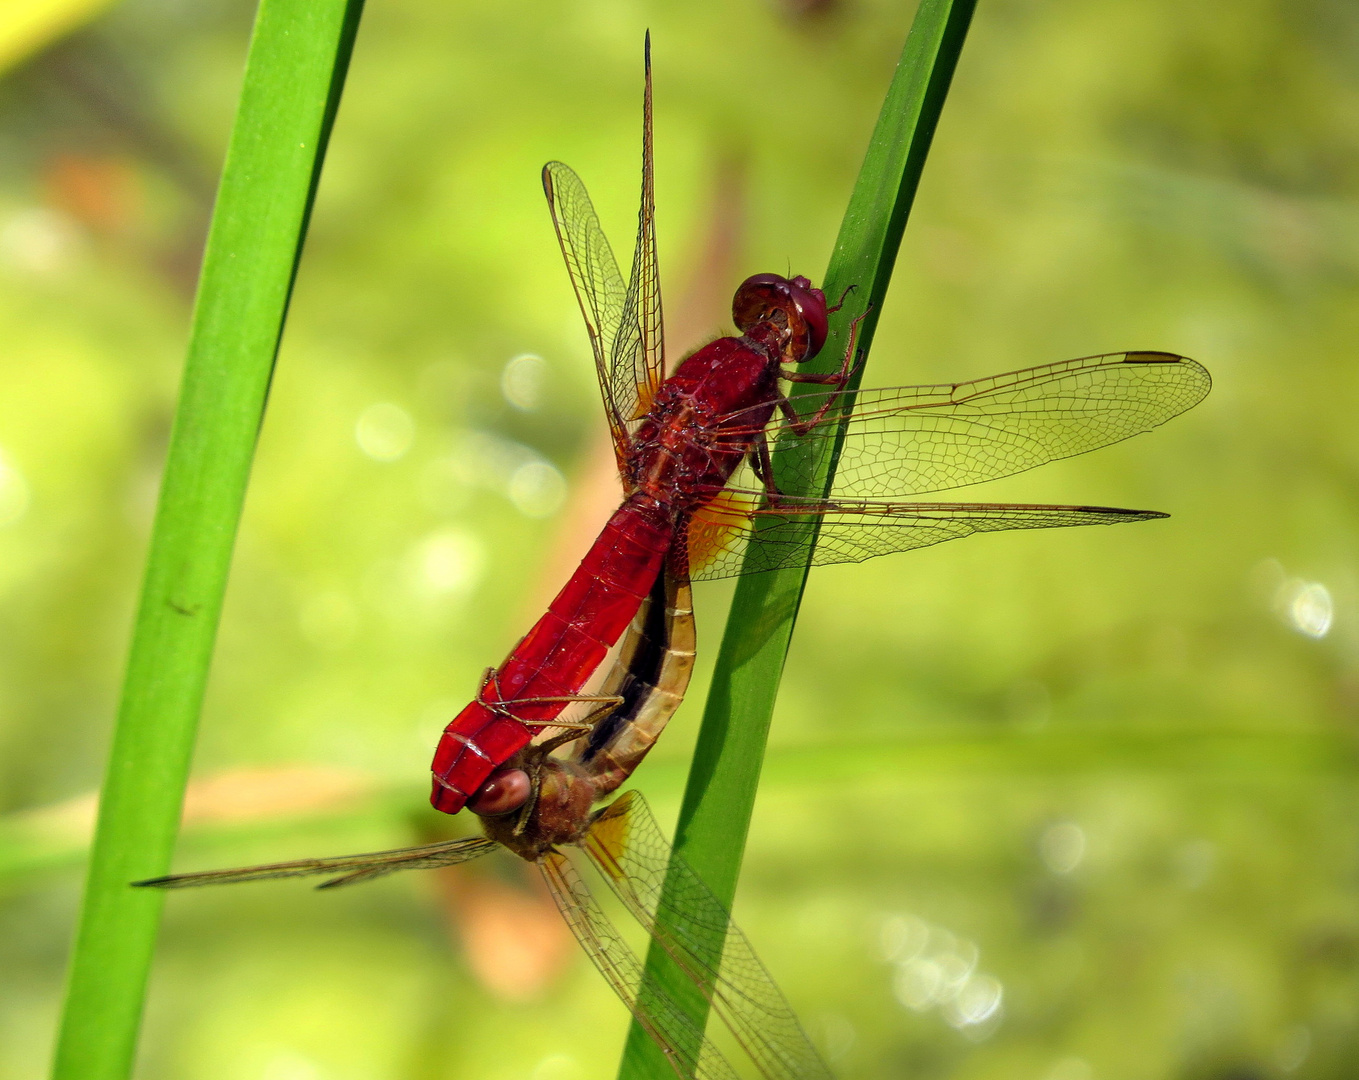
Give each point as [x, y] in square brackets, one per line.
[451, 561]
[537, 489]
[557, 1067]
[521, 381]
[976, 1001]
[1070, 1068]
[935, 968]
[1293, 1048]
[290, 1066]
[39, 241]
[903, 937]
[1304, 606]
[385, 431]
[956, 967]
[918, 982]
[838, 1036]
[1062, 847]
[13, 492]
[1309, 609]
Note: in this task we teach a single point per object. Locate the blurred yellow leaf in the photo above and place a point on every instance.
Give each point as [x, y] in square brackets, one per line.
[26, 26]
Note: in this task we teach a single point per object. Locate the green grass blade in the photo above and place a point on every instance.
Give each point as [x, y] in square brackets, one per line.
[295, 70]
[720, 794]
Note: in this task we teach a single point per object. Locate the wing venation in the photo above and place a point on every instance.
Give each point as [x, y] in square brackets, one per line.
[351, 868]
[624, 321]
[634, 857]
[849, 531]
[689, 1051]
[913, 440]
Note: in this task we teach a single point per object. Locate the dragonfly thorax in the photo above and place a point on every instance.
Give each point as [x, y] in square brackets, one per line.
[683, 446]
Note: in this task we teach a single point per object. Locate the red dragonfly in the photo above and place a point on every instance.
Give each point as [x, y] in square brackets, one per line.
[693, 455]
[625, 845]
[693, 451]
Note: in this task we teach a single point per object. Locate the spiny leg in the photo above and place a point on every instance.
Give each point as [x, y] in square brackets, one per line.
[500, 705]
[839, 379]
[841, 302]
[763, 465]
[535, 770]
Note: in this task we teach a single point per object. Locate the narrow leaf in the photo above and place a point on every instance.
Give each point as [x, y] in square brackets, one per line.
[720, 794]
[298, 57]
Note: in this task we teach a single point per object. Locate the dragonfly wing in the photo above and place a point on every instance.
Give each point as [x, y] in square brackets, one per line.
[634, 857]
[910, 440]
[598, 284]
[639, 352]
[350, 868]
[735, 535]
[624, 321]
[687, 1049]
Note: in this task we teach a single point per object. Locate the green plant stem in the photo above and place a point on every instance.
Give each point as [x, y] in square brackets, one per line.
[299, 53]
[720, 794]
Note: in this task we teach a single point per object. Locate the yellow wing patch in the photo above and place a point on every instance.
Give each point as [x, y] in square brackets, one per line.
[719, 527]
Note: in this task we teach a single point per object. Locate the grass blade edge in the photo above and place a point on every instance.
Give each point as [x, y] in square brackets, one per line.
[724, 775]
[295, 68]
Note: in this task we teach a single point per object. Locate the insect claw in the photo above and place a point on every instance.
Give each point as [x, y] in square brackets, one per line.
[841, 302]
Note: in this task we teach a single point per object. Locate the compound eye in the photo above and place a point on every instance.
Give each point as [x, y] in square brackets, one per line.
[755, 297]
[803, 308]
[811, 304]
[503, 793]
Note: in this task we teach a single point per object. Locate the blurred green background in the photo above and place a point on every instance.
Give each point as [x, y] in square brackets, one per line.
[1075, 806]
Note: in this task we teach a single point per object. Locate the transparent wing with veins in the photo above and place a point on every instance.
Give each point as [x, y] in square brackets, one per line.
[639, 351]
[625, 843]
[350, 869]
[912, 440]
[737, 535]
[688, 1050]
[598, 284]
[633, 856]
[624, 322]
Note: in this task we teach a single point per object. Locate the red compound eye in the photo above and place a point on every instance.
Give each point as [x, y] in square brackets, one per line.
[505, 792]
[803, 306]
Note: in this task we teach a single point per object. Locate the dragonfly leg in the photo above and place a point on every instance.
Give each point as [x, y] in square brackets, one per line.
[502, 706]
[828, 379]
[535, 775]
[764, 468]
[849, 367]
[607, 703]
[841, 302]
[574, 732]
[534, 767]
[576, 728]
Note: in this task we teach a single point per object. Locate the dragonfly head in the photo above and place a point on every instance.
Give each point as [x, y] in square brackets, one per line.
[786, 312]
[531, 827]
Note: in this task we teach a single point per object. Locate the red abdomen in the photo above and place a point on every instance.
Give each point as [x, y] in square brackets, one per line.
[557, 657]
